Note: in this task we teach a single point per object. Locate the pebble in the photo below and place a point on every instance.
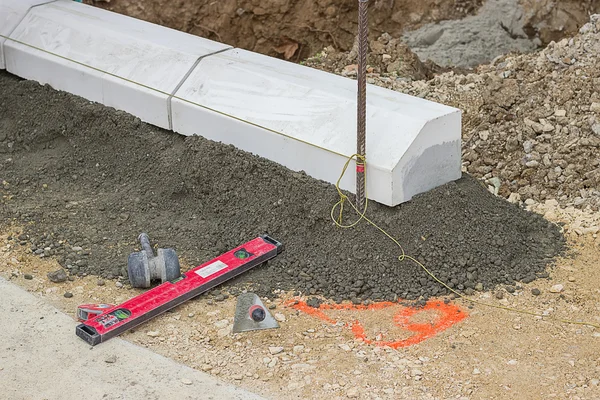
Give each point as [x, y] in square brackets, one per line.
[221, 324]
[186, 381]
[512, 362]
[352, 393]
[68, 295]
[416, 372]
[191, 315]
[535, 291]
[100, 282]
[499, 295]
[298, 349]
[279, 317]
[119, 284]
[556, 288]
[344, 347]
[595, 382]
[28, 277]
[238, 377]
[57, 276]
[275, 350]
[153, 333]
[476, 371]
[220, 298]
[571, 279]
[111, 359]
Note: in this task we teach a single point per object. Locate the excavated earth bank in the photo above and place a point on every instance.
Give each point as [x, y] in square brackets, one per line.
[85, 180]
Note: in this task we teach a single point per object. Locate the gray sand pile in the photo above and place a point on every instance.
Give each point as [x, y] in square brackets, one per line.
[85, 180]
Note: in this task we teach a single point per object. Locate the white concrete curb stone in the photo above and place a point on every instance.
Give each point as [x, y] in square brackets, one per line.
[297, 116]
[11, 13]
[135, 66]
[305, 119]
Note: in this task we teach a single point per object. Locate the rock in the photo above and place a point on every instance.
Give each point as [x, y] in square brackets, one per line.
[118, 284]
[153, 333]
[595, 107]
[535, 291]
[100, 282]
[237, 377]
[221, 324]
[344, 347]
[476, 371]
[556, 288]
[298, 349]
[220, 298]
[68, 295]
[28, 277]
[560, 113]
[272, 306]
[111, 359]
[416, 372]
[595, 382]
[186, 381]
[58, 276]
[479, 287]
[512, 362]
[275, 350]
[279, 317]
[352, 393]
[571, 279]
[224, 332]
[514, 198]
[499, 295]
[350, 70]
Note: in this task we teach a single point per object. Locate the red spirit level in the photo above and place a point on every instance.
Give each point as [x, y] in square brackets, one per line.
[118, 319]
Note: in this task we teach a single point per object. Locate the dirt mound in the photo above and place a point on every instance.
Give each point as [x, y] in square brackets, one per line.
[300, 27]
[85, 180]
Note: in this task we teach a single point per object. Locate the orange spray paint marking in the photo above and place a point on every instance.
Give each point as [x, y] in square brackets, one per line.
[447, 315]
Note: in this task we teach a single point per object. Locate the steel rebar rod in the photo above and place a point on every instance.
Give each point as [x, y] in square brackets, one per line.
[363, 44]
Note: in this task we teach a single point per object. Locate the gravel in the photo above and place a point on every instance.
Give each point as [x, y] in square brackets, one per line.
[58, 276]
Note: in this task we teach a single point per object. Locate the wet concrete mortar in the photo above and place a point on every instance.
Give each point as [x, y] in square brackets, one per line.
[84, 180]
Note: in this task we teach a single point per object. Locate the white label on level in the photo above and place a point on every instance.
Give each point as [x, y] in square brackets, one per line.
[211, 269]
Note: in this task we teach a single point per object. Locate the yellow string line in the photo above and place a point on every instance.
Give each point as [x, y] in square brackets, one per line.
[168, 94]
[404, 256]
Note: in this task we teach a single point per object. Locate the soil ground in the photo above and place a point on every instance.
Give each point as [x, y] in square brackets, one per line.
[80, 181]
[492, 354]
